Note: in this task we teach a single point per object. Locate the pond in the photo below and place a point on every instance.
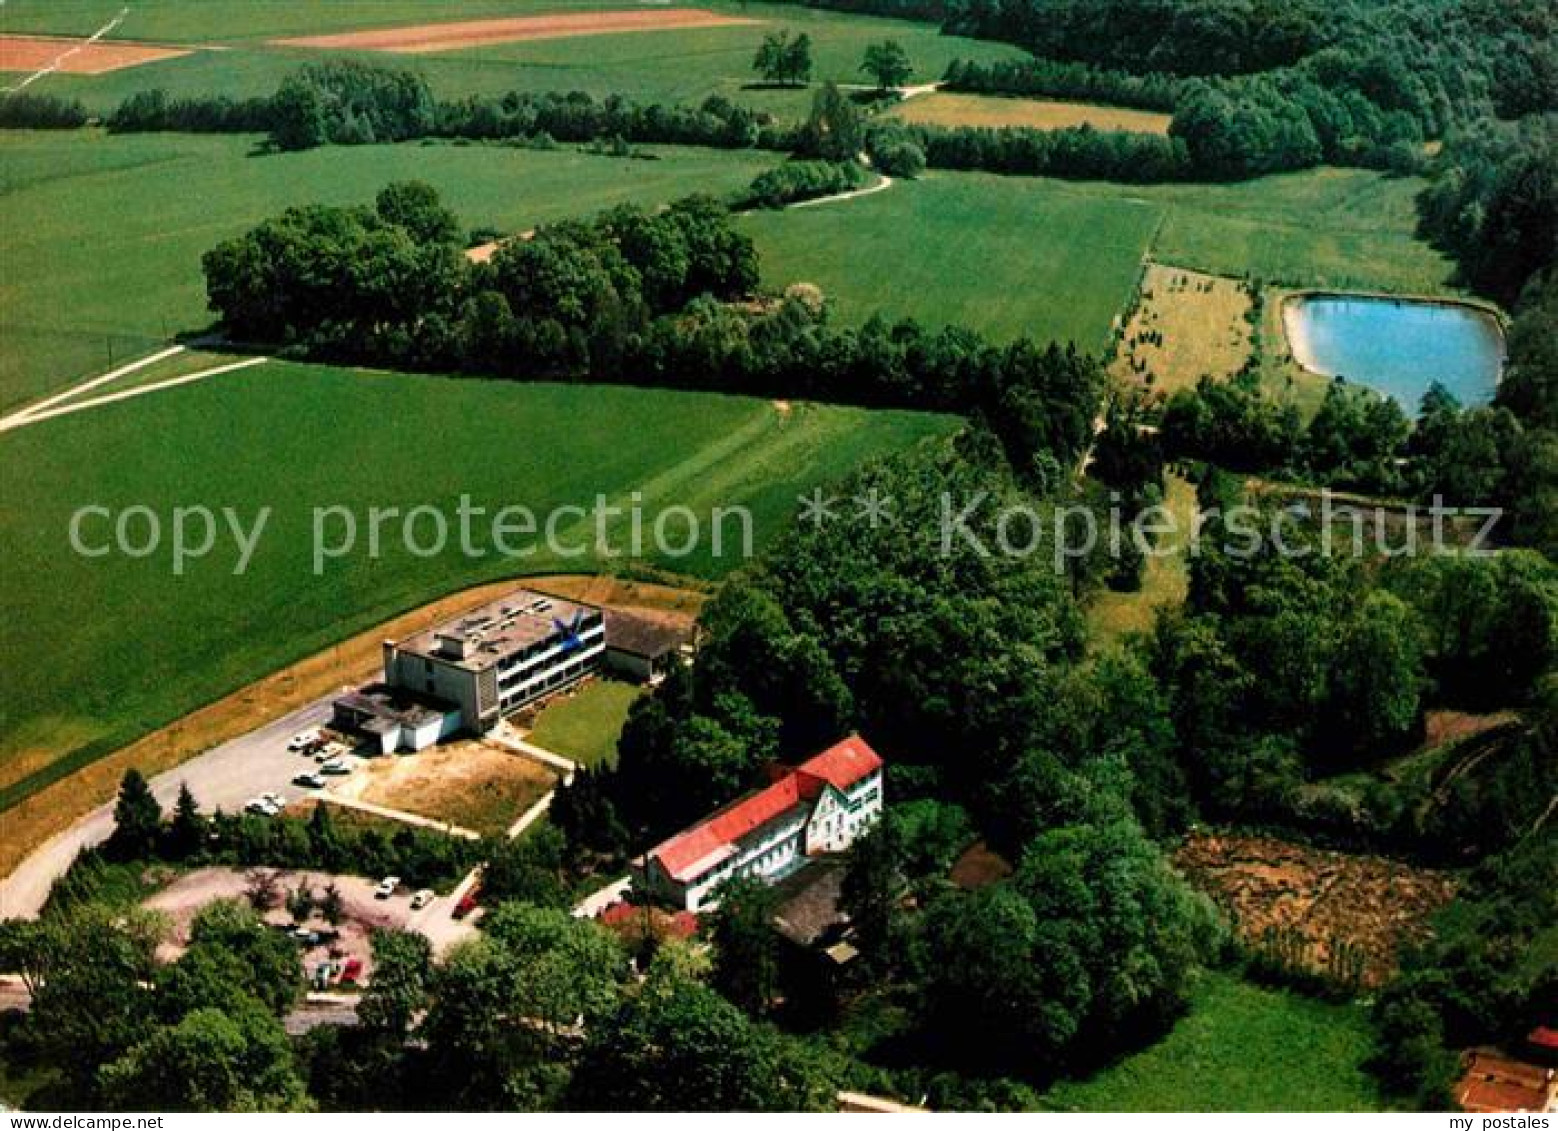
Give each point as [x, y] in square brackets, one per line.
[1398, 346]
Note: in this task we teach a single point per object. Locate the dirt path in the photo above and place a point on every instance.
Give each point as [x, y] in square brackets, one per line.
[884, 182]
[37, 416]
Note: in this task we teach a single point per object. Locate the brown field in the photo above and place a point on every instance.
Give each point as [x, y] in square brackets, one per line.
[425, 38]
[946, 109]
[1264, 883]
[53, 809]
[1187, 324]
[467, 783]
[28, 53]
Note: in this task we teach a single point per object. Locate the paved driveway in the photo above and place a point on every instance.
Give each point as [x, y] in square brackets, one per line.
[226, 776]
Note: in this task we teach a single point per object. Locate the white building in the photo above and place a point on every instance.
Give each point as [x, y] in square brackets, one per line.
[817, 808]
[495, 659]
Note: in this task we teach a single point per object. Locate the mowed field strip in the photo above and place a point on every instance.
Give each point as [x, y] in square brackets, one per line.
[944, 108]
[31, 53]
[428, 38]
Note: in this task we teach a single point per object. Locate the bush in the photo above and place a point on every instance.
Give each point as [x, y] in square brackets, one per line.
[41, 112]
[802, 180]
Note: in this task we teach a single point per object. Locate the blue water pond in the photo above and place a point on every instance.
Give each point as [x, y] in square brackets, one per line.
[1398, 346]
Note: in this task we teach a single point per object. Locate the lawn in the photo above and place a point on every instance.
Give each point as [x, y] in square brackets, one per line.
[1010, 256]
[671, 65]
[584, 726]
[100, 650]
[102, 236]
[948, 109]
[1240, 1048]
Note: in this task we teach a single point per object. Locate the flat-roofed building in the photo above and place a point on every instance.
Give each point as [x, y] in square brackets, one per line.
[495, 659]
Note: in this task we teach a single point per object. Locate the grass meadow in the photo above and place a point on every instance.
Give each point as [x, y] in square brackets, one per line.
[1059, 260]
[948, 109]
[672, 65]
[1006, 255]
[101, 650]
[103, 235]
[1240, 1048]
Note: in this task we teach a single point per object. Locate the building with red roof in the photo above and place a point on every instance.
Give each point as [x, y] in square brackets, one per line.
[817, 808]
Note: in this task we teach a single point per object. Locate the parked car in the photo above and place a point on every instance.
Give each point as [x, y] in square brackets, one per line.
[306, 936]
[421, 899]
[303, 741]
[352, 972]
[309, 781]
[259, 807]
[386, 887]
[466, 905]
[274, 799]
[335, 766]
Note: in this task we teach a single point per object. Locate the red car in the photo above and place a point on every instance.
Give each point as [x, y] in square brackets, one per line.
[351, 972]
[466, 905]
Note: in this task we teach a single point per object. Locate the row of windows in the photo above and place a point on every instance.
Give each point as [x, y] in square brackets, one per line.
[542, 650]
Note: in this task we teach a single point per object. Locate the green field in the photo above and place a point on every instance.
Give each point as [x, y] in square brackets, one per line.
[1010, 256]
[1241, 1048]
[100, 650]
[679, 65]
[1059, 259]
[584, 726]
[103, 235]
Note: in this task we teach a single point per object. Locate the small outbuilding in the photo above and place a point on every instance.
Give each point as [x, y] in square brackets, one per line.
[642, 646]
[389, 719]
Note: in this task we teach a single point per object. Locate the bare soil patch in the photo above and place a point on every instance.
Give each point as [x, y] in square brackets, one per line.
[1187, 324]
[29, 53]
[427, 38]
[1369, 902]
[468, 783]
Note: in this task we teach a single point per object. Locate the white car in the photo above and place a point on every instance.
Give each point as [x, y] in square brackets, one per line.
[386, 887]
[309, 781]
[274, 799]
[303, 741]
[263, 807]
[335, 766]
[421, 899]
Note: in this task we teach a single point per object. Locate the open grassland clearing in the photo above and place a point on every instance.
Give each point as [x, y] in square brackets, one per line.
[1345, 228]
[1113, 616]
[1186, 325]
[103, 235]
[682, 64]
[1059, 260]
[102, 650]
[468, 783]
[1005, 255]
[945, 108]
[1240, 1048]
[1273, 887]
[585, 724]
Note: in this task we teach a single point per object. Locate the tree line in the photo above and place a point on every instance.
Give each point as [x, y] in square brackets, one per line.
[629, 296]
